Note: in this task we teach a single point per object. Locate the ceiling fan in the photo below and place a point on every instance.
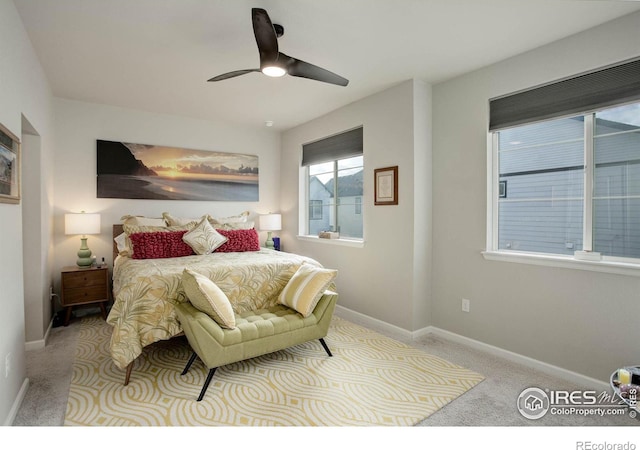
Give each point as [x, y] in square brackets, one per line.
[276, 64]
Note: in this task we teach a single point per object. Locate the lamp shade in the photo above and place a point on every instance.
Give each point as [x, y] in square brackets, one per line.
[271, 222]
[81, 223]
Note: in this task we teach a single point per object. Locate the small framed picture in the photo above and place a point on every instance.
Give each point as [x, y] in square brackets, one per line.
[386, 186]
[9, 167]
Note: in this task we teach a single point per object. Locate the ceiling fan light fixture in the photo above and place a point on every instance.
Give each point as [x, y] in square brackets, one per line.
[276, 64]
[273, 71]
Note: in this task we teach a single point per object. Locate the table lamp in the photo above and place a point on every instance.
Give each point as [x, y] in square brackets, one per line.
[269, 223]
[82, 224]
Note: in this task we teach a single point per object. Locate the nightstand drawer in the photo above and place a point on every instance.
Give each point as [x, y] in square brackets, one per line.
[73, 280]
[83, 287]
[85, 294]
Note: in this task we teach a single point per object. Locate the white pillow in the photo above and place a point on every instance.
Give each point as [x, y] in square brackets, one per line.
[204, 239]
[121, 242]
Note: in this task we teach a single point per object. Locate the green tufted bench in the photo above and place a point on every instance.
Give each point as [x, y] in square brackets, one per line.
[257, 333]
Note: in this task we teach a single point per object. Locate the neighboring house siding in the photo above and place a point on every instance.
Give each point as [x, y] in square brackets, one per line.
[350, 222]
[318, 192]
[542, 210]
[617, 220]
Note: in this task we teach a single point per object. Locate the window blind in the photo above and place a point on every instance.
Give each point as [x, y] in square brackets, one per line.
[594, 90]
[340, 146]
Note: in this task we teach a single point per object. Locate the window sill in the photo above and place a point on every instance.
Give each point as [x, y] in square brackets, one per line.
[568, 262]
[344, 242]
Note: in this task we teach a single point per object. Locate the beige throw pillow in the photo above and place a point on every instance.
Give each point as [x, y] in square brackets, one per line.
[143, 221]
[239, 222]
[234, 225]
[207, 297]
[204, 239]
[173, 221]
[240, 218]
[306, 286]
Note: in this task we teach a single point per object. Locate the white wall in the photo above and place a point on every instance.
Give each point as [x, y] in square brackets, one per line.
[24, 91]
[388, 278]
[423, 209]
[78, 126]
[586, 322]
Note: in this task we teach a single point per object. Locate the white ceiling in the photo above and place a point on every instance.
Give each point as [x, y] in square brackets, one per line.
[156, 55]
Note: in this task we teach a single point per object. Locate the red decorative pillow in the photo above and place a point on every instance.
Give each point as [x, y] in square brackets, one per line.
[240, 241]
[159, 244]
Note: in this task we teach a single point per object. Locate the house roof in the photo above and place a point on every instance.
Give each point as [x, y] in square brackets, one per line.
[349, 186]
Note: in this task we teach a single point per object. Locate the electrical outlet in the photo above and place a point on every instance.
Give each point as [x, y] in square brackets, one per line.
[7, 365]
[466, 305]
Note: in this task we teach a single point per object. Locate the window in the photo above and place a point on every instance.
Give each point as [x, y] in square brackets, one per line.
[543, 166]
[315, 210]
[331, 212]
[573, 179]
[616, 182]
[333, 174]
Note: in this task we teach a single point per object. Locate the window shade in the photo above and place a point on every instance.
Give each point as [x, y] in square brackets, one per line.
[580, 94]
[340, 146]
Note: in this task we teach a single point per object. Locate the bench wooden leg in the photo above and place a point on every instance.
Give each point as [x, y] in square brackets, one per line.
[191, 360]
[206, 383]
[326, 348]
[128, 374]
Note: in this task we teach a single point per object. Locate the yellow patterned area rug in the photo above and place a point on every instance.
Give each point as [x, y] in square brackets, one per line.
[370, 380]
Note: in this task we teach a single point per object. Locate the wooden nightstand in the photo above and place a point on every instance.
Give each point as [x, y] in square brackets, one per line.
[84, 287]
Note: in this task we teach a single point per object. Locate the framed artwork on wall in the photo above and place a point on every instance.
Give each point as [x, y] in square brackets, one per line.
[9, 167]
[386, 186]
[156, 172]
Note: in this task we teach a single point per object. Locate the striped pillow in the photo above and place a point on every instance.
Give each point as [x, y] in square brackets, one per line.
[305, 288]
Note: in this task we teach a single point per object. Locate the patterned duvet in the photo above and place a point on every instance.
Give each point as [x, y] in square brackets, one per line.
[145, 291]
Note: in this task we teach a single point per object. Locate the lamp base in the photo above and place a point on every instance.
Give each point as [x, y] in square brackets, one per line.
[269, 242]
[84, 255]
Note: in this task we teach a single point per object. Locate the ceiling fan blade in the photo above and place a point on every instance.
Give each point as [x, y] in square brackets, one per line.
[299, 68]
[235, 73]
[265, 34]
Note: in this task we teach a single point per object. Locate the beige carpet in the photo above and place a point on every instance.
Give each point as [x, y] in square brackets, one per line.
[370, 380]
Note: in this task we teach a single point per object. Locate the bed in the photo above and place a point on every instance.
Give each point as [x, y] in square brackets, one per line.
[146, 290]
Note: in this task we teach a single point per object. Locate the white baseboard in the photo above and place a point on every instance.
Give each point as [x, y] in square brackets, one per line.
[41, 343]
[13, 412]
[370, 322]
[535, 364]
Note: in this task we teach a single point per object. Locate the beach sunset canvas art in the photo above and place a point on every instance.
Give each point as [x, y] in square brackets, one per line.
[155, 172]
